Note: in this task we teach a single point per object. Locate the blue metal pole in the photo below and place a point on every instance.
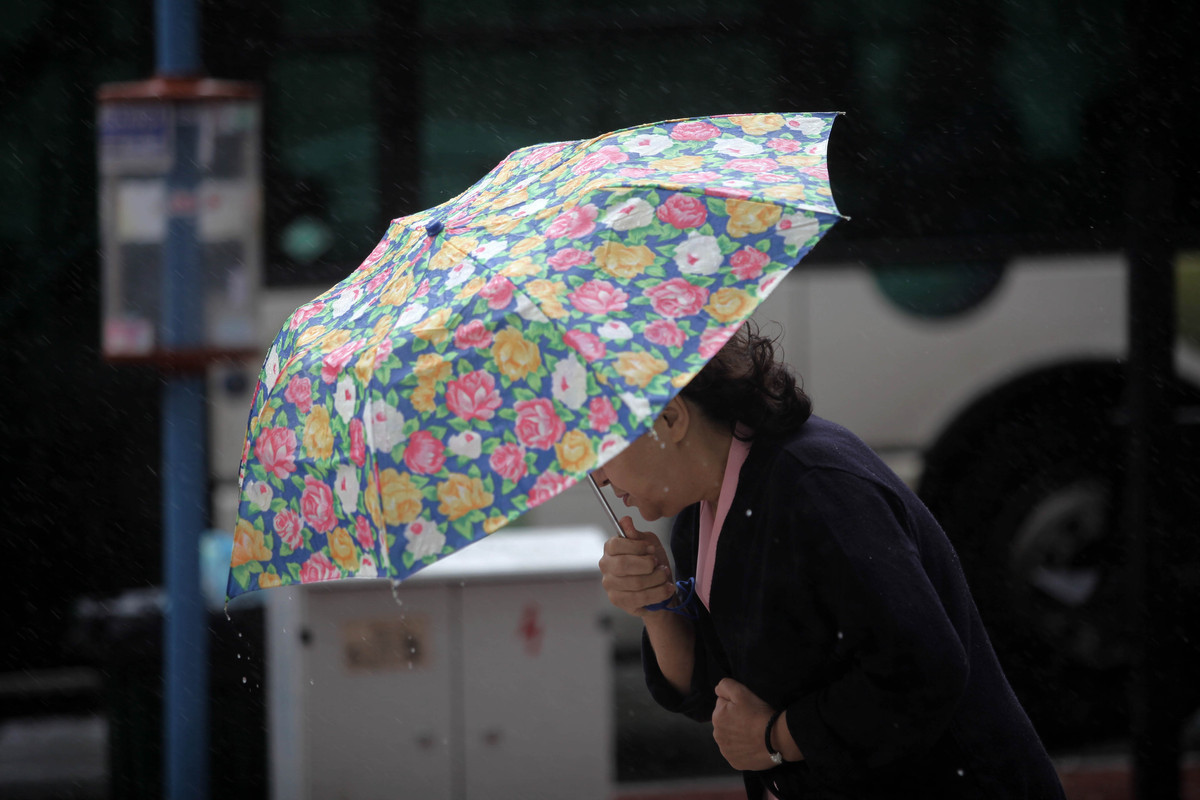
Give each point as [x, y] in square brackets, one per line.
[185, 484]
[177, 42]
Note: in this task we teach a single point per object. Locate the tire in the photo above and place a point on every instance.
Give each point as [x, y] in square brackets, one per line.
[1034, 513]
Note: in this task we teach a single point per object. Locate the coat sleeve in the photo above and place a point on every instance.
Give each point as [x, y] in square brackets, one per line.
[698, 703]
[854, 546]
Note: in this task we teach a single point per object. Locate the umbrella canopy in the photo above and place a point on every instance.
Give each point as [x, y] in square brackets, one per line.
[494, 349]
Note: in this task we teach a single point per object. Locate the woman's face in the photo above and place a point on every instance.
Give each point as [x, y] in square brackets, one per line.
[658, 472]
[641, 475]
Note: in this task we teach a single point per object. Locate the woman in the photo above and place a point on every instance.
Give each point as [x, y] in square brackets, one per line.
[832, 640]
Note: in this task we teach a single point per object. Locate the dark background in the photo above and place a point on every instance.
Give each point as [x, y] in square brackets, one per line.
[974, 131]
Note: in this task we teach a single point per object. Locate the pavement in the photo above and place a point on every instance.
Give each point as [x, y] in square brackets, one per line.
[64, 757]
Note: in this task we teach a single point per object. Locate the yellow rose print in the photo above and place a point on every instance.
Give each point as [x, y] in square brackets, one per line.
[371, 499]
[575, 452]
[343, 550]
[397, 291]
[622, 261]
[424, 396]
[248, 544]
[639, 369]
[758, 124]
[728, 305]
[452, 253]
[268, 580]
[493, 524]
[520, 267]
[509, 200]
[501, 224]
[525, 245]
[334, 339]
[433, 328]
[515, 355]
[679, 164]
[748, 216]
[471, 288]
[462, 494]
[791, 191]
[380, 330]
[310, 334]
[798, 161]
[401, 498]
[433, 367]
[318, 436]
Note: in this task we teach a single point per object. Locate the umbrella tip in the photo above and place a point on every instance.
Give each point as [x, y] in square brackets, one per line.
[434, 228]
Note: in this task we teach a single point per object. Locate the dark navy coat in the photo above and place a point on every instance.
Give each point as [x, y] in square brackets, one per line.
[836, 594]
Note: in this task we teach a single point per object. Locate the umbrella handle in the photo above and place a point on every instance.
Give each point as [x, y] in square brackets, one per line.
[607, 507]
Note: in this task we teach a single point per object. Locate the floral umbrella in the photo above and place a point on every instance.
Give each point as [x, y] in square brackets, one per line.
[494, 349]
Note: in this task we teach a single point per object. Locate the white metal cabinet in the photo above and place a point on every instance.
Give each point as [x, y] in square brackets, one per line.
[487, 675]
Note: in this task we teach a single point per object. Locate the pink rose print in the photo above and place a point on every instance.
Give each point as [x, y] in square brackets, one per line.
[677, 298]
[748, 263]
[382, 351]
[537, 424]
[509, 461]
[498, 292]
[598, 297]
[586, 344]
[695, 177]
[610, 154]
[635, 172]
[751, 164]
[424, 454]
[666, 333]
[784, 145]
[379, 250]
[276, 451]
[362, 532]
[319, 568]
[817, 171]
[380, 279]
[473, 334]
[299, 391]
[713, 340]
[316, 504]
[473, 396]
[305, 313]
[548, 485]
[601, 414]
[541, 154]
[695, 131]
[682, 211]
[570, 257]
[358, 442]
[576, 222]
[332, 364]
[288, 526]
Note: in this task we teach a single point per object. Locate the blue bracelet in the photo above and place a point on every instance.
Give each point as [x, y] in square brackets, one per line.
[683, 607]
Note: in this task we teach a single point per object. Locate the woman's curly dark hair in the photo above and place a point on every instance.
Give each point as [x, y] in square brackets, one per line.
[744, 383]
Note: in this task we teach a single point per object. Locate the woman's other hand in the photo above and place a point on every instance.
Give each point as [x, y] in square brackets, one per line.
[635, 570]
[739, 724]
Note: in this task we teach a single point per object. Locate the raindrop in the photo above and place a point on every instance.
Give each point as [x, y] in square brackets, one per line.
[243, 679]
[748, 512]
[960, 773]
[840, 635]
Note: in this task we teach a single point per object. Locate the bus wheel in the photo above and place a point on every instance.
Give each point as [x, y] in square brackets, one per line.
[1034, 518]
